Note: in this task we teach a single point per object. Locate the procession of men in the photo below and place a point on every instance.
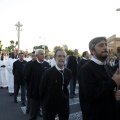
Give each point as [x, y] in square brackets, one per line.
[46, 85]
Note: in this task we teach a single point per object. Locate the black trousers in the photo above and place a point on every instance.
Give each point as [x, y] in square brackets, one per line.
[28, 101]
[118, 110]
[34, 108]
[51, 115]
[16, 90]
[73, 84]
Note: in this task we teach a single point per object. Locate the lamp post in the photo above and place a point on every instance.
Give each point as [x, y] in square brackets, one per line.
[44, 42]
[18, 25]
[118, 9]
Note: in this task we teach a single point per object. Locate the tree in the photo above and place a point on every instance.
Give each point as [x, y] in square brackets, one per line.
[1, 45]
[69, 52]
[65, 47]
[12, 46]
[57, 47]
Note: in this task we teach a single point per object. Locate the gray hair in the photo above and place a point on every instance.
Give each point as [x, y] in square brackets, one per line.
[94, 41]
[37, 51]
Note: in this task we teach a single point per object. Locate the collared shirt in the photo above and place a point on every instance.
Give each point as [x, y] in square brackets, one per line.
[39, 61]
[20, 60]
[84, 58]
[98, 61]
[58, 68]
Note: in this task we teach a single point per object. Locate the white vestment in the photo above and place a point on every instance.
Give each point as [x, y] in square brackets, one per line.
[27, 59]
[3, 74]
[11, 76]
[53, 62]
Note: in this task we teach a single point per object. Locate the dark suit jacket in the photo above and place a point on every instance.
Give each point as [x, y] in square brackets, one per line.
[73, 64]
[18, 71]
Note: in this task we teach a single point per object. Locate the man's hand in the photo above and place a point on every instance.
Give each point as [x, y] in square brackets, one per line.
[117, 94]
[116, 77]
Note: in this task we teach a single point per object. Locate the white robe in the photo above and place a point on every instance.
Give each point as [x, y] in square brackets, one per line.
[53, 62]
[11, 76]
[27, 59]
[3, 74]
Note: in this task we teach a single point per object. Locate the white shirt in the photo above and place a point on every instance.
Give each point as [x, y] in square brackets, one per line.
[84, 58]
[39, 61]
[98, 61]
[58, 68]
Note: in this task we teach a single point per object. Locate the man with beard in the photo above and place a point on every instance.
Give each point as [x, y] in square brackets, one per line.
[54, 89]
[97, 82]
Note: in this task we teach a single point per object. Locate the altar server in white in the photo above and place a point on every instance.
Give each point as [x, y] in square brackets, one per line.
[3, 73]
[10, 62]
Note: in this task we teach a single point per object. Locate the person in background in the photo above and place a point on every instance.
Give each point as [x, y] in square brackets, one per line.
[72, 64]
[10, 62]
[18, 66]
[53, 63]
[83, 60]
[47, 59]
[3, 72]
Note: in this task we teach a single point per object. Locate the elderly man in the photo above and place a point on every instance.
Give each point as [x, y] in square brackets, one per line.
[97, 82]
[54, 89]
[33, 78]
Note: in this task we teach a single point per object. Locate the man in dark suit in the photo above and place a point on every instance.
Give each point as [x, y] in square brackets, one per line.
[85, 59]
[33, 79]
[26, 68]
[18, 78]
[72, 65]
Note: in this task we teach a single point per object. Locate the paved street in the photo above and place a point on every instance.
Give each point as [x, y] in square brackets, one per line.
[14, 111]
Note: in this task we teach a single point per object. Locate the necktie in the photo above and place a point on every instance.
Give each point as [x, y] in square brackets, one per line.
[61, 71]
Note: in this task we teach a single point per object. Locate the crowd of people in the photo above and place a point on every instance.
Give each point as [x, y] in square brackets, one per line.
[44, 82]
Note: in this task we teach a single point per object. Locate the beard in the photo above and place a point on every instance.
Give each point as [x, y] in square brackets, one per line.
[102, 57]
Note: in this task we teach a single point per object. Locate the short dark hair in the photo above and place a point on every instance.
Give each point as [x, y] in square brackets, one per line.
[20, 54]
[94, 41]
[84, 53]
[57, 51]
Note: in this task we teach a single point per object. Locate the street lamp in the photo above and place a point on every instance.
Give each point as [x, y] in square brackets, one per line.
[18, 25]
[44, 43]
[118, 9]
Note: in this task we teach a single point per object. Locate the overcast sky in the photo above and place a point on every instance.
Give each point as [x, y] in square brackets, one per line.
[70, 22]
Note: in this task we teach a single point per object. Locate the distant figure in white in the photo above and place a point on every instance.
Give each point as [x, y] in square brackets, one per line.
[10, 62]
[47, 59]
[3, 72]
[53, 63]
[27, 57]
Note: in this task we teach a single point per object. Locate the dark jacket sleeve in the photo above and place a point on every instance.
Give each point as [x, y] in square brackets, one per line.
[43, 85]
[69, 63]
[25, 70]
[28, 74]
[14, 68]
[90, 89]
